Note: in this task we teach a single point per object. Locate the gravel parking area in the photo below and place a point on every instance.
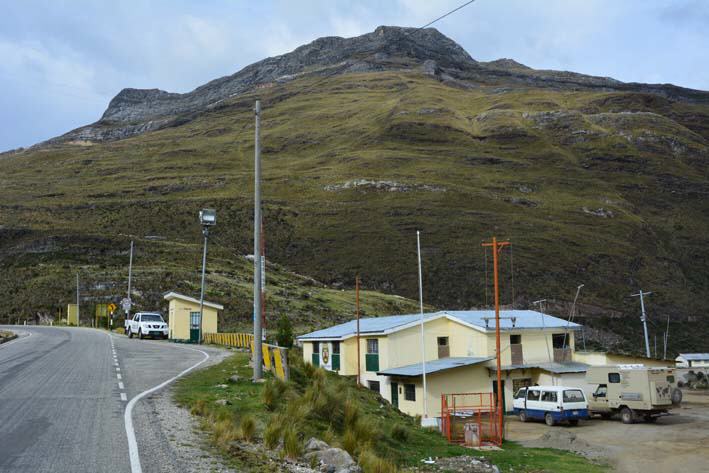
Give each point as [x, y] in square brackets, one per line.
[674, 443]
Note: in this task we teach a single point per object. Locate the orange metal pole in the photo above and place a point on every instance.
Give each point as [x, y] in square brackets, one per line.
[495, 248]
[357, 312]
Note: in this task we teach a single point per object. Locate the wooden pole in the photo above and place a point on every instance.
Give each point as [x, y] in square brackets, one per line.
[497, 246]
[357, 314]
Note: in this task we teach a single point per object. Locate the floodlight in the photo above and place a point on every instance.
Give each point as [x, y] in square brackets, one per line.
[208, 217]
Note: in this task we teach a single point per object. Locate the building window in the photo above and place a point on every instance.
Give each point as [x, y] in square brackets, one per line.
[518, 384]
[549, 396]
[515, 339]
[371, 358]
[614, 377]
[442, 341]
[410, 392]
[335, 356]
[194, 320]
[560, 340]
[315, 357]
[373, 385]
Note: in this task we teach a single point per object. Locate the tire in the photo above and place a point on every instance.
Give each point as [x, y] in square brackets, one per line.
[574, 422]
[129, 333]
[676, 396]
[627, 415]
[548, 419]
[523, 416]
[140, 334]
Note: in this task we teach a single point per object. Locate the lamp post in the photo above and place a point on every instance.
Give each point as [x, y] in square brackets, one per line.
[207, 218]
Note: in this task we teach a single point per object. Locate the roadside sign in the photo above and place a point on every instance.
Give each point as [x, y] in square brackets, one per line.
[111, 307]
[126, 304]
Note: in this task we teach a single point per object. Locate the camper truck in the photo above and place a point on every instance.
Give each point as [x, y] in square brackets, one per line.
[633, 391]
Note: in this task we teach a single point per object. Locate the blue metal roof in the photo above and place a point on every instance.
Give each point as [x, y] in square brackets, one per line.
[695, 356]
[523, 319]
[433, 366]
[552, 367]
[518, 319]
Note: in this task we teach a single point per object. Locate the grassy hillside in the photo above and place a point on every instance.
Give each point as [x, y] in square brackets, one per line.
[605, 189]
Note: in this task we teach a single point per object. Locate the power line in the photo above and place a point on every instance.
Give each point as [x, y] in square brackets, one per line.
[449, 13]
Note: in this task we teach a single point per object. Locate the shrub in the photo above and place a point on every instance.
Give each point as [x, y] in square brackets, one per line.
[272, 434]
[371, 463]
[351, 413]
[284, 334]
[273, 391]
[349, 442]
[399, 433]
[199, 408]
[291, 443]
[248, 428]
[225, 432]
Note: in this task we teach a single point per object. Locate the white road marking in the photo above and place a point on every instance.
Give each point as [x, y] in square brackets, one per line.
[124, 397]
[128, 416]
[118, 375]
[118, 369]
[120, 385]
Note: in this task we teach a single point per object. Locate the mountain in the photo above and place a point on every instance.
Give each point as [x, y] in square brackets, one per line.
[365, 141]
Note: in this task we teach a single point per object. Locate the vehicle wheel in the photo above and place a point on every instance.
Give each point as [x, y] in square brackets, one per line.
[676, 396]
[549, 419]
[574, 422]
[129, 333]
[523, 416]
[140, 333]
[627, 415]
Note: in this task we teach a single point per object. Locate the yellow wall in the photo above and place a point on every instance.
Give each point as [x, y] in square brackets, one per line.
[468, 379]
[179, 319]
[534, 345]
[603, 358]
[72, 314]
[405, 345]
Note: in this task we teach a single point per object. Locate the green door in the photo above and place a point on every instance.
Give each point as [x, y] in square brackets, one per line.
[395, 394]
[194, 327]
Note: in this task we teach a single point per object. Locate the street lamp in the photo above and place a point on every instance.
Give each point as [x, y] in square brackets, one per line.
[207, 218]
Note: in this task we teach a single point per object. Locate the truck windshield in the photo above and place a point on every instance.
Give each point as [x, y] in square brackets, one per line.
[151, 318]
[573, 395]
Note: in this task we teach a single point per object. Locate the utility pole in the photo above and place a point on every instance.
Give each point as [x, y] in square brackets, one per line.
[130, 276]
[667, 335]
[540, 303]
[571, 314]
[359, 368]
[78, 318]
[644, 318]
[497, 247]
[423, 339]
[258, 337]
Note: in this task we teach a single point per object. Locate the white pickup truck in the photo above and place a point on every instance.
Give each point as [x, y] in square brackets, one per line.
[146, 324]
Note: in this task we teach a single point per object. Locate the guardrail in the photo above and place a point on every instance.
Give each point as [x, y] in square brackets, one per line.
[275, 358]
[238, 340]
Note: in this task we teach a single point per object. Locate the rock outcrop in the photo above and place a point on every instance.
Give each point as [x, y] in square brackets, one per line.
[136, 111]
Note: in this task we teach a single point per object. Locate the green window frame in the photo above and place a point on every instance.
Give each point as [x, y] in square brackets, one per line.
[335, 356]
[371, 358]
[315, 357]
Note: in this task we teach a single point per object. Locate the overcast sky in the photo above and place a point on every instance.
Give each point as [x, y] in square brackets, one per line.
[61, 62]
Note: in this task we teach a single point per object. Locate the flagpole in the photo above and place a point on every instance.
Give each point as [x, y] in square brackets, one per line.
[423, 339]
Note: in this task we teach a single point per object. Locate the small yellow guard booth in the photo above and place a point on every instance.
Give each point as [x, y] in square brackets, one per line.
[183, 322]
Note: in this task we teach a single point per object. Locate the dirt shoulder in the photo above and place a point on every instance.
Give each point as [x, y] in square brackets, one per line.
[674, 443]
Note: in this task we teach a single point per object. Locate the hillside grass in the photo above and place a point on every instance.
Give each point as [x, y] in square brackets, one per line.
[316, 403]
[605, 189]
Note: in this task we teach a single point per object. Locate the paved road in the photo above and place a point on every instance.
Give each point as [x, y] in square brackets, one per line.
[61, 408]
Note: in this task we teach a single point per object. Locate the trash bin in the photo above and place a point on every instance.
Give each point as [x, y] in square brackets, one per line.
[472, 434]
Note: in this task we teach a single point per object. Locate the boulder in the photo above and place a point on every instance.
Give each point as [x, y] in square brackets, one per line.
[333, 460]
[314, 445]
